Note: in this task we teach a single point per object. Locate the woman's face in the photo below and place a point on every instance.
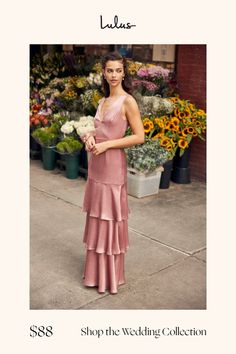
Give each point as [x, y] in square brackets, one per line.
[114, 72]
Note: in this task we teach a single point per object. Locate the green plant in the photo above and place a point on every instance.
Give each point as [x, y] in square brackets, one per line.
[147, 157]
[47, 136]
[69, 145]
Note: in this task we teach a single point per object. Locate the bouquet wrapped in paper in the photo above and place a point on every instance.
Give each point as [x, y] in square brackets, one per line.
[85, 127]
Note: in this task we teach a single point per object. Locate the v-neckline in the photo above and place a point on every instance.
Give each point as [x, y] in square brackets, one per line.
[111, 104]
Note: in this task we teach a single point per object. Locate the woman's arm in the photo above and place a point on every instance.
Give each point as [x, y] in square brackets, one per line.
[132, 113]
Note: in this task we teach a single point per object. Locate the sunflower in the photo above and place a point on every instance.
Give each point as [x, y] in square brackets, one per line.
[192, 107]
[194, 115]
[200, 112]
[157, 136]
[169, 147]
[174, 99]
[181, 115]
[182, 143]
[165, 141]
[197, 124]
[194, 132]
[185, 132]
[148, 125]
[187, 112]
[175, 121]
[190, 130]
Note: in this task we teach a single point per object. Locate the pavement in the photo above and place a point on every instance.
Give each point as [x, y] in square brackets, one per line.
[165, 266]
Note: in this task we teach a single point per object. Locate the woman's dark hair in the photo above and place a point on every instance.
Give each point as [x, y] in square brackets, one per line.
[126, 83]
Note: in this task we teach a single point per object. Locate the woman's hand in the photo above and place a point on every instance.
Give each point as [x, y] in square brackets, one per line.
[100, 148]
[90, 142]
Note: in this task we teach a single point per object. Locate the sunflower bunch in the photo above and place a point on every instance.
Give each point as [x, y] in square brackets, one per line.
[162, 129]
[191, 122]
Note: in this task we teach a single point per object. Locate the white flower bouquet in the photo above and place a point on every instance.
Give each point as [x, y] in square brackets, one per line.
[85, 127]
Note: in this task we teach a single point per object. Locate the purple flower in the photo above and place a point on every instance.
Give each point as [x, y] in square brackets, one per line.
[142, 72]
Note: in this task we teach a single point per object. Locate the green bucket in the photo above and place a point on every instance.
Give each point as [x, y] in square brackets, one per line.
[49, 158]
[72, 166]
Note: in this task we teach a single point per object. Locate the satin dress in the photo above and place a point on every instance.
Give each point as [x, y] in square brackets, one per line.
[105, 202]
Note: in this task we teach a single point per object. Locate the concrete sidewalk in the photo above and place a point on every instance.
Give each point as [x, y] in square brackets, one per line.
[165, 265]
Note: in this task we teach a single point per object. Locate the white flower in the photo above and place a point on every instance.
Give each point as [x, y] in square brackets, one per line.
[85, 125]
[67, 128]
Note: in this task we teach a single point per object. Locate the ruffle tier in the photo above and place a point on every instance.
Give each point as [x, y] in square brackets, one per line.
[106, 201]
[105, 235]
[103, 271]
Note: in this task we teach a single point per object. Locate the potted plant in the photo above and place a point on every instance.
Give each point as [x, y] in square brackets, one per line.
[47, 137]
[70, 147]
[145, 167]
[190, 122]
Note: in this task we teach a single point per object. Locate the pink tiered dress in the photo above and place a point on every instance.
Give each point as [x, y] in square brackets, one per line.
[105, 202]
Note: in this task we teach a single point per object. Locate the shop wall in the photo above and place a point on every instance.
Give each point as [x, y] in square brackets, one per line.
[191, 78]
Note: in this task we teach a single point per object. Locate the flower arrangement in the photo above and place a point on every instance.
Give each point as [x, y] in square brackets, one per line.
[47, 136]
[69, 145]
[151, 80]
[185, 123]
[38, 120]
[85, 126]
[147, 157]
[89, 101]
[176, 127]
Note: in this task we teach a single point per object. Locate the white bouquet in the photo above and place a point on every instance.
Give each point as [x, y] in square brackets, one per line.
[68, 127]
[85, 127]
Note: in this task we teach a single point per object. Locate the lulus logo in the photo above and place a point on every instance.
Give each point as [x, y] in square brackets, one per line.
[115, 24]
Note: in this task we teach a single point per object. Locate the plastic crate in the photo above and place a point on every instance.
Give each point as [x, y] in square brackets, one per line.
[142, 185]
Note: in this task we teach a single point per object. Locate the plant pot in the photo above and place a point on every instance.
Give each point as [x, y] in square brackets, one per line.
[72, 166]
[166, 175]
[182, 161]
[141, 185]
[49, 157]
[181, 175]
[181, 170]
[35, 149]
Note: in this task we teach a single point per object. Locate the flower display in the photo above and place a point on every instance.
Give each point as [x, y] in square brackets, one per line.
[147, 157]
[84, 126]
[69, 145]
[89, 101]
[94, 79]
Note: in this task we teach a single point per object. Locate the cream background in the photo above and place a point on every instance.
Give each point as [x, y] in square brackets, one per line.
[175, 22]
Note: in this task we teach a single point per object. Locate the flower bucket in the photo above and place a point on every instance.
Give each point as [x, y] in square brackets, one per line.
[72, 165]
[142, 185]
[166, 175]
[49, 158]
[181, 169]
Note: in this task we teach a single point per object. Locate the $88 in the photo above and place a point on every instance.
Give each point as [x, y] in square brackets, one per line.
[40, 331]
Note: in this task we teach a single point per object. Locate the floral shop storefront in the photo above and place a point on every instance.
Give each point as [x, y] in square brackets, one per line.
[65, 89]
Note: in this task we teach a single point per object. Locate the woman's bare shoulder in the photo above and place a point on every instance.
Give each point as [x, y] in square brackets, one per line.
[130, 101]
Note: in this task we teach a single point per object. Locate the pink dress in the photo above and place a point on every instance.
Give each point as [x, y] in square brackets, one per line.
[105, 201]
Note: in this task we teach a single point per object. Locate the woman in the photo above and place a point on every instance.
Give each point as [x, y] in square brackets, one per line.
[105, 200]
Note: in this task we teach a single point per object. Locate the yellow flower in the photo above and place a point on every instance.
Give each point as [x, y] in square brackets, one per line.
[187, 113]
[182, 143]
[174, 99]
[169, 147]
[200, 112]
[175, 121]
[165, 141]
[148, 125]
[185, 132]
[190, 130]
